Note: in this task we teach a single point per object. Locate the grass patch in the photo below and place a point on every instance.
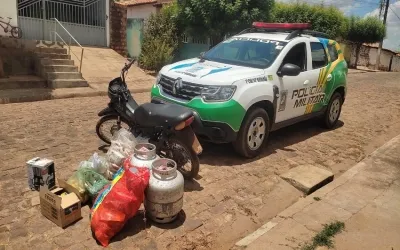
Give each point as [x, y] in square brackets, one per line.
[324, 238]
[317, 198]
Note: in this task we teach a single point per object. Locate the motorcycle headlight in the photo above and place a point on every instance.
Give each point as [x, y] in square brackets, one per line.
[218, 93]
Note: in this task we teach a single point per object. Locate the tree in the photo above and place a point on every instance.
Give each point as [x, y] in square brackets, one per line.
[160, 39]
[216, 18]
[364, 30]
[329, 20]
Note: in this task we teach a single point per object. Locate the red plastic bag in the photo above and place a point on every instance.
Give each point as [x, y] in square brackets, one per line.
[118, 202]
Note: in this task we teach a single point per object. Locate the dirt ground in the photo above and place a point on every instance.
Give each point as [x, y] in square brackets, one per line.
[231, 197]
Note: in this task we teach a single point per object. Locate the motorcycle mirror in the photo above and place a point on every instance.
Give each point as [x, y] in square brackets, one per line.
[130, 61]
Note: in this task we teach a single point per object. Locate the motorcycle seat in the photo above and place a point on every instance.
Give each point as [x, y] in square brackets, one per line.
[153, 115]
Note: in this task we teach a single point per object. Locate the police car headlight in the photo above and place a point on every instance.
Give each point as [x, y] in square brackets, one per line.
[158, 79]
[218, 93]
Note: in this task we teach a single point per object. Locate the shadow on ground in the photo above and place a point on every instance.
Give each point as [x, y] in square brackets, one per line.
[132, 227]
[225, 155]
[193, 185]
[137, 224]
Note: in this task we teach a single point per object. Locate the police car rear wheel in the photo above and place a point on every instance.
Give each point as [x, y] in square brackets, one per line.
[333, 111]
[253, 133]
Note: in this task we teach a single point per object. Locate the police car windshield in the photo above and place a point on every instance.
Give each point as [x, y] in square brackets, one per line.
[248, 52]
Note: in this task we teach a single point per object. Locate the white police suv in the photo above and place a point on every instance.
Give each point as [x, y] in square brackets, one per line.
[266, 77]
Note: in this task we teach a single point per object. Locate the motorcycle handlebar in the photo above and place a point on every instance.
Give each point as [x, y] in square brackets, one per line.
[126, 68]
[129, 65]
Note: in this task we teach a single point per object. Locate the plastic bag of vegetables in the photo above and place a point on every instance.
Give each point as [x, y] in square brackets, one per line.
[88, 182]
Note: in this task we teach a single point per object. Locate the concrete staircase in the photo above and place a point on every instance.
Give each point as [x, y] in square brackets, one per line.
[39, 70]
[56, 66]
[50, 73]
[56, 77]
[22, 82]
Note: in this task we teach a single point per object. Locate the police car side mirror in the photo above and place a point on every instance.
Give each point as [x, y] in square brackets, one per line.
[289, 70]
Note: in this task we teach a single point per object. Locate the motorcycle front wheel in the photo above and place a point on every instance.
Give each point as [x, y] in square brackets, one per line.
[186, 159]
[108, 125]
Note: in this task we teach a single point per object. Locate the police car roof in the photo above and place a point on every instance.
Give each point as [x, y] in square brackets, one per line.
[276, 36]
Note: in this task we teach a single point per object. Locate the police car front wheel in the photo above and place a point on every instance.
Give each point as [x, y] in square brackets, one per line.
[253, 133]
[333, 111]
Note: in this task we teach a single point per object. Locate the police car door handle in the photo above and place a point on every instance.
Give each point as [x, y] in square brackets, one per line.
[306, 82]
[329, 77]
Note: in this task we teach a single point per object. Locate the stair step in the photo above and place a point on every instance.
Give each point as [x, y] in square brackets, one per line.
[53, 56]
[24, 95]
[60, 68]
[48, 44]
[48, 61]
[68, 83]
[64, 75]
[22, 82]
[42, 94]
[52, 50]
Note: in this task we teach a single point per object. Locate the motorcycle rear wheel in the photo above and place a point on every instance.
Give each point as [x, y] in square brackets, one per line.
[186, 159]
[103, 135]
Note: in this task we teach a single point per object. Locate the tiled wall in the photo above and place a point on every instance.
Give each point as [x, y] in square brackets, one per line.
[118, 21]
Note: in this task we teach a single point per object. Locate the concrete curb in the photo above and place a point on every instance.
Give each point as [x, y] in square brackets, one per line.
[300, 205]
[357, 72]
[53, 94]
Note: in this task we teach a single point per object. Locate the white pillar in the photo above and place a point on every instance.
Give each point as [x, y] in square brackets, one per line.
[108, 22]
[16, 13]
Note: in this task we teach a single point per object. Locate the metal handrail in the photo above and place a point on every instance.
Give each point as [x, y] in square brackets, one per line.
[69, 45]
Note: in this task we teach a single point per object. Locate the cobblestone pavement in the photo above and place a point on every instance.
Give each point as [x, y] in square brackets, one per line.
[232, 196]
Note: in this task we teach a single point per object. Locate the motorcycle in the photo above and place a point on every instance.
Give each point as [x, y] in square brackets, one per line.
[167, 126]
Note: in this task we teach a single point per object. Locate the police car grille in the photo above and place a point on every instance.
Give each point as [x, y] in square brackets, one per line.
[187, 92]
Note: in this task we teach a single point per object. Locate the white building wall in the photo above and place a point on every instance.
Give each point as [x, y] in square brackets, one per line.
[139, 11]
[364, 58]
[8, 8]
[367, 57]
[396, 64]
[385, 59]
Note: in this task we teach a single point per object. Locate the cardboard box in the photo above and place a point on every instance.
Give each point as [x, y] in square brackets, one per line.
[41, 172]
[60, 205]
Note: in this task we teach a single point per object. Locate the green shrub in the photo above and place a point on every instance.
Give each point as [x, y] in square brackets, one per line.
[216, 18]
[157, 54]
[364, 30]
[325, 19]
[160, 39]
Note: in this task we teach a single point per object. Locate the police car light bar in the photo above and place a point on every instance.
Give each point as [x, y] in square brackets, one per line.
[283, 26]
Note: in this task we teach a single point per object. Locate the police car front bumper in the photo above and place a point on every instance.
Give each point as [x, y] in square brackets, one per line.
[216, 132]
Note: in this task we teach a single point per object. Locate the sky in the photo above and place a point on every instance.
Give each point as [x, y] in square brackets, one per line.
[364, 8]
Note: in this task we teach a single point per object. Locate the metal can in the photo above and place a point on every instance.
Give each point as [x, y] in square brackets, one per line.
[144, 155]
[164, 195]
